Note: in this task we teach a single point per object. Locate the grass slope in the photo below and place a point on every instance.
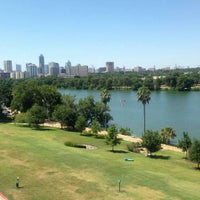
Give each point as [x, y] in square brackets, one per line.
[50, 170]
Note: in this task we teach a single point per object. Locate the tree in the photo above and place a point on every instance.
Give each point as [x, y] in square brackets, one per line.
[36, 115]
[152, 141]
[6, 91]
[102, 113]
[184, 83]
[143, 95]
[80, 123]
[65, 115]
[167, 134]
[25, 95]
[111, 137]
[105, 98]
[49, 98]
[185, 143]
[95, 127]
[194, 152]
[86, 108]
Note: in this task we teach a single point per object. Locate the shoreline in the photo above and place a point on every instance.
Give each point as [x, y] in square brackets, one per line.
[123, 137]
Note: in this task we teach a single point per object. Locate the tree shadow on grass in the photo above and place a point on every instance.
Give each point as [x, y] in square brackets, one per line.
[160, 157]
[118, 151]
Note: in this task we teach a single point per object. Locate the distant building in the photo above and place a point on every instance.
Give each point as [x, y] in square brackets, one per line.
[18, 75]
[110, 67]
[7, 65]
[4, 74]
[18, 68]
[101, 70]
[68, 64]
[31, 70]
[46, 69]
[139, 69]
[53, 69]
[78, 70]
[41, 65]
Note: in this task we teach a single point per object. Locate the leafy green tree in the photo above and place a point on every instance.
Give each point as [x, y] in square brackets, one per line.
[86, 108]
[194, 152]
[111, 137]
[105, 98]
[157, 84]
[167, 134]
[102, 113]
[65, 115]
[185, 143]
[49, 98]
[184, 83]
[95, 127]
[36, 115]
[25, 95]
[6, 91]
[28, 93]
[143, 95]
[80, 123]
[152, 141]
[149, 83]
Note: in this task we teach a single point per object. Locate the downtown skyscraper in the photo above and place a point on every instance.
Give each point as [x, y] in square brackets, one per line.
[7, 65]
[41, 65]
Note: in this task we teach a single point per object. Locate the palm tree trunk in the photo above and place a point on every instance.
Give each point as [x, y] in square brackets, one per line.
[144, 118]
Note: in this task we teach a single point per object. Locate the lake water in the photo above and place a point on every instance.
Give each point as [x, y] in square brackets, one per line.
[179, 110]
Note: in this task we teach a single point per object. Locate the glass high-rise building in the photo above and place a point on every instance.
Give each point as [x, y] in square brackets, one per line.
[31, 70]
[7, 65]
[41, 64]
[18, 68]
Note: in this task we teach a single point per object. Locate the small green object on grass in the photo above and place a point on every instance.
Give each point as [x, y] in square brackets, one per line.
[128, 159]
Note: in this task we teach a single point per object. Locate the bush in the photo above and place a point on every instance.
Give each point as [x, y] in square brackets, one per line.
[125, 131]
[134, 147]
[21, 118]
[87, 133]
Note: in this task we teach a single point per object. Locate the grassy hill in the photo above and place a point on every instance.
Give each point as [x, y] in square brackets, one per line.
[50, 170]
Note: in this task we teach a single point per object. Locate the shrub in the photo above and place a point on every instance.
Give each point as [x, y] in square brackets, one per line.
[87, 133]
[125, 131]
[21, 118]
[134, 147]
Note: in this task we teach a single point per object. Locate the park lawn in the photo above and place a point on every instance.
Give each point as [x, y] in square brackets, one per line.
[50, 170]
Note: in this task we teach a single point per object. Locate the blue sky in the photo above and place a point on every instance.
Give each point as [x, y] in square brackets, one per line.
[128, 32]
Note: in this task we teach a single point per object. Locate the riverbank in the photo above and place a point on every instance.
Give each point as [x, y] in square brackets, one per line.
[123, 137]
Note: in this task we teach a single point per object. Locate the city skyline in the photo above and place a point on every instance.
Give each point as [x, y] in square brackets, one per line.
[129, 33]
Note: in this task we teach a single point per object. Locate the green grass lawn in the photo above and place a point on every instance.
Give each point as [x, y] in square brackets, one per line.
[50, 170]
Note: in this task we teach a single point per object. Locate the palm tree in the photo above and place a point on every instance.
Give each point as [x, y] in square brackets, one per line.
[105, 98]
[143, 95]
[167, 134]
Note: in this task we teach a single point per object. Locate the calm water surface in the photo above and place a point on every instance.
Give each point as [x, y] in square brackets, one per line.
[178, 110]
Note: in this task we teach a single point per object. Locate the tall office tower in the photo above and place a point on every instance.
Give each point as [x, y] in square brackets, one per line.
[46, 69]
[68, 65]
[18, 68]
[8, 65]
[109, 66]
[41, 64]
[53, 69]
[31, 70]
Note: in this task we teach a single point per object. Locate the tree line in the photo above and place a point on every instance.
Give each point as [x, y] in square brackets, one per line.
[173, 80]
[36, 104]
